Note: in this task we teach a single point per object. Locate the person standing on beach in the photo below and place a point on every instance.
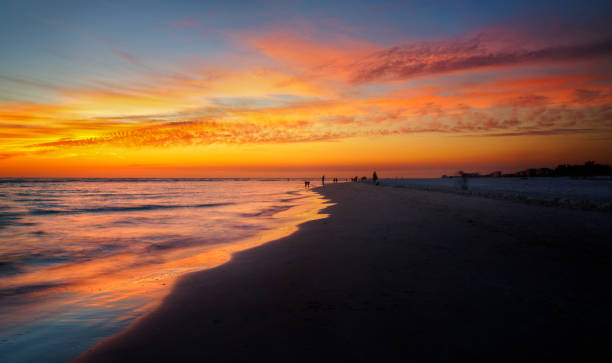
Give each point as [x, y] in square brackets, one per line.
[323, 180]
[375, 178]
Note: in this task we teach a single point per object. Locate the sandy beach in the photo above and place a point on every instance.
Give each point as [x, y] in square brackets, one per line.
[395, 275]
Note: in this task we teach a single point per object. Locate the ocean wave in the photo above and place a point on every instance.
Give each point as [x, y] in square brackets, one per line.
[35, 194]
[268, 212]
[146, 207]
[137, 220]
[28, 289]
[128, 196]
[34, 200]
[9, 218]
[286, 200]
[8, 268]
[175, 243]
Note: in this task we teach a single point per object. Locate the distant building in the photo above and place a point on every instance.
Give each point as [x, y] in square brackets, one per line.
[544, 172]
[468, 175]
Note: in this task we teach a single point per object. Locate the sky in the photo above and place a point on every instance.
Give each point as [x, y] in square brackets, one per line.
[302, 88]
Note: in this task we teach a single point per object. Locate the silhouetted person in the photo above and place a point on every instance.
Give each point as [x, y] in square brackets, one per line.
[463, 184]
[306, 185]
[323, 180]
[374, 178]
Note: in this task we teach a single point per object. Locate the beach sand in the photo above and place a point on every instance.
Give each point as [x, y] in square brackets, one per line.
[396, 275]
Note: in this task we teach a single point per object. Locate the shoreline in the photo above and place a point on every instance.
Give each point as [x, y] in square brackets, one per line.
[392, 275]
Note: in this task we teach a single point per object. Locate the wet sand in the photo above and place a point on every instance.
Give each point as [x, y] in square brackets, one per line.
[396, 275]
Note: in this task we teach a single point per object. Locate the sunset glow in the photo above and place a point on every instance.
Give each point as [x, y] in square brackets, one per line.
[275, 89]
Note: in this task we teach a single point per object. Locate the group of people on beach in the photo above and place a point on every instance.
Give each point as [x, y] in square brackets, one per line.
[323, 180]
[363, 178]
[335, 180]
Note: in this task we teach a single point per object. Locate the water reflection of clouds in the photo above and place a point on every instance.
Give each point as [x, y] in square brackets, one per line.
[29, 289]
[105, 260]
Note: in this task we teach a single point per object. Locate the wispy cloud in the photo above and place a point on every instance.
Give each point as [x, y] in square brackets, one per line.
[405, 62]
[201, 133]
[541, 132]
[128, 57]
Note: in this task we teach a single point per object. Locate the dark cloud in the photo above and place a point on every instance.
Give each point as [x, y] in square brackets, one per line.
[587, 95]
[410, 61]
[529, 101]
[542, 132]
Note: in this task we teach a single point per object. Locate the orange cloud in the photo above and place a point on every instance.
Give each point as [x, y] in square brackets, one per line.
[415, 60]
[297, 89]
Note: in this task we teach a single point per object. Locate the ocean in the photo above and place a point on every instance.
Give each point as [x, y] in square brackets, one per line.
[82, 258]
